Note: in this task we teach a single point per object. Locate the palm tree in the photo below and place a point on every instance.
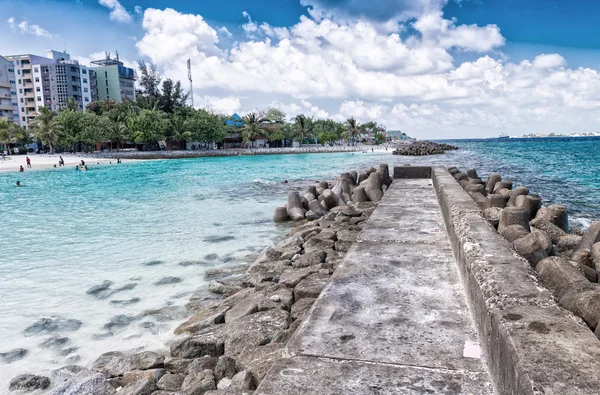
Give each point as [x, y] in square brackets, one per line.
[353, 129]
[178, 129]
[10, 132]
[304, 125]
[72, 104]
[117, 132]
[253, 127]
[45, 128]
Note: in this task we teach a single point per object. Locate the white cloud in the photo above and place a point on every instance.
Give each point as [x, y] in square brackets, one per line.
[404, 82]
[221, 105]
[118, 12]
[27, 28]
[223, 30]
[138, 9]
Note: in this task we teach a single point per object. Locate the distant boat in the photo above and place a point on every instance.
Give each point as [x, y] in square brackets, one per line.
[503, 136]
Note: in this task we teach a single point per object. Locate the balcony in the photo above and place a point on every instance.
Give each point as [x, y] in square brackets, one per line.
[6, 107]
[29, 95]
[5, 84]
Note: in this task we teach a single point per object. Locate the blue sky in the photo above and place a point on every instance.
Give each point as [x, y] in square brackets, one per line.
[458, 68]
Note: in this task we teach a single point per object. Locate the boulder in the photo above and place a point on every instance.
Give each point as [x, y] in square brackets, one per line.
[585, 304]
[492, 214]
[113, 364]
[202, 319]
[138, 375]
[226, 368]
[177, 365]
[595, 253]
[147, 360]
[258, 359]
[561, 277]
[281, 215]
[266, 255]
[223, 288]
[198, 383]
[554, 231]
[519, 191]
[312, 216]
[513, 216]
[29, 382]
[316, 243]
[514, 232]
[479, 199]
[170, 382]
[201, 364]
[295, 209]
[316, 208]
[491, 182]
[13, 355]
[472, 173]
[254, 330]
[209, 343]
[567, 242]
[532, 203]
[495, 200]
[243, 380]
[310, 258]
[311, 286]
[289, 242]
[503, 184]
[590, 237]
[330, 199]
[301, 307]
[582, 257]
[292, 277]
[373, 188]
[85, 382]
[529, 248]
[362, 177]
[247, 306]
[359, 195]
[545, 241]
[555, 214]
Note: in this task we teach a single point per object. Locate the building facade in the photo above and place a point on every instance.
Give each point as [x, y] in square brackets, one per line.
[114, 81]
[8, 91]
[49, 82]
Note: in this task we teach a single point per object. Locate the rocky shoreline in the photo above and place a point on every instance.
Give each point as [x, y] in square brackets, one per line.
[567, 261]
[238, 331]
[221, 152]
[422, 148]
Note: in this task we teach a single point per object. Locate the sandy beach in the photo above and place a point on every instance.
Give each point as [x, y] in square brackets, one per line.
[46, 161]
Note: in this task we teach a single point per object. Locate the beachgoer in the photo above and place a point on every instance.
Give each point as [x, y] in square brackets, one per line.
[28, 162]
[61, 162]
[21, 170]
[82, 163]
[19, 184]
[77, 167]
[55, 165]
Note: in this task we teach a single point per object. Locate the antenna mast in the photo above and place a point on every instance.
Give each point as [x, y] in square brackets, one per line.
[189, 67]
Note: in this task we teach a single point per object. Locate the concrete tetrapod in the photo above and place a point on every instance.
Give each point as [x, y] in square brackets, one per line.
[295, 209]
[491, 182]
[556, 214]
[513, 216]
[373, 188]
[519, 191]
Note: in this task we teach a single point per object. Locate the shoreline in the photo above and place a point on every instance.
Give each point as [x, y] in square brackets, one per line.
[47, 161]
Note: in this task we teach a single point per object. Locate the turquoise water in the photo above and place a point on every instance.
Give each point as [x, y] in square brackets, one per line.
[67, 231]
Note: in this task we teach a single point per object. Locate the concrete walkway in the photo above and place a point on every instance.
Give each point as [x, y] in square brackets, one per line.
[393, 319]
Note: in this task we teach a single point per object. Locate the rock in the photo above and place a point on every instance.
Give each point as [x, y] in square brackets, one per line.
[360, 195]
[595, 253]
[529, 248]
[343, 246]
[167, 313]
[479, 199]
[330, 199]
[147, 360]
[202, 319]
[555, 214]
[85, 382]
[217, 239]
[585, 304]
[29, 382]
[224, 384]
[301, 307]
[122, 303]
[513, 216]
[292, 277]
[472, 173]
[209, 343]
[312, 216]
[13, 355]
[243, 380]
[582, 257]
[225, 368]
[100, 290]
[373, 188]
[113, 364]
[316, 207]
[561, 277]
[222, 288]
[254, 330]
[201, 364]
[211, 257]
[289, 242]
[168, 281]
[316, 243]
[170, 382]
[514, 232]
[290, 253]
[258, 359]
[554, 231]
[589, 273]
[52, 324]
[491, 182]
[243, 308]
[119, 322]
[295, 209]
[567, 242]
[532, 203]
[311, 286]
[492, 214]
[281, 215]
[346, 235]
[140, 387]
[495, 200]
[503, 184]
[198, 383]
[267, 255]
[139, 375]
[519, 191]
[545, 241]
[310, 258]
[177, 365]
[590, 237]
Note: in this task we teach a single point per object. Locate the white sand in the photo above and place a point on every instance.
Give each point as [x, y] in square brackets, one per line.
[46, 161]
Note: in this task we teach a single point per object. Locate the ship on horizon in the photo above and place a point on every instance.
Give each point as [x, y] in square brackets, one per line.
[503, 135]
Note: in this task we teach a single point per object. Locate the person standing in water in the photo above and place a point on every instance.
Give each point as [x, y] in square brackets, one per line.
[21, 170]
[61, 162]
[28, 162]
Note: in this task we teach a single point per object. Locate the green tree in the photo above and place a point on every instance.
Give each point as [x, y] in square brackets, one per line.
[379, 138]
[328, 130]
[117, 132]
[72, 104]
[353, 129]
[147, 127]
[10, 133]
[205, 126]
[45, 129]
[172, 96]
[253, 127]
[304, 126]
[178, 128]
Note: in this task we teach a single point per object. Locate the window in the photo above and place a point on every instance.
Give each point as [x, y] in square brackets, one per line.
[84, 71]
[36, 70]
[21, 100]
[85, 90]
[12, 81]
[20, 90]
[18, 71]
[106, 74]
[22, 109]
[87, 98]
[107, 92]
[11, 70]
[39, 98]
[37, 79]
[19, 82]
[85, 80]
[23, 117]
[37, 88]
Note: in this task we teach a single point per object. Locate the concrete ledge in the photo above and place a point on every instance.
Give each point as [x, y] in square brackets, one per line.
[412, 172]
[532, 345]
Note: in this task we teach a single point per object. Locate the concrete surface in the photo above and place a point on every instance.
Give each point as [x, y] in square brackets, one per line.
[393, 319]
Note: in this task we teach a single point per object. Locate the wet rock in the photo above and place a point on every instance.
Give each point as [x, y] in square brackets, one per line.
[295, 209]
[202, 319]
[225, 368]
[154, 263]
[210, 343]
[52, 324]
[222, 288]
[253, 330]
[258, 359]
[301, 307]
[177, 365]
[13, 355]
[137, 375]
[102, 336]
[280, 215]
[198, 383]
[67, 371]
[218, 239]
[126, 287]
[153, 327]
[119, 322]
[147, 360]
[55, 342]
[167, 313]
[310, 258]
[200, 364]
[85, 383]
[29, 382]
[211, 257]
[140, 387]
[113, 364]
[311, 286]
[168, 281]
[170, 382]
[125, 302]
[100, 290]
[191, 263]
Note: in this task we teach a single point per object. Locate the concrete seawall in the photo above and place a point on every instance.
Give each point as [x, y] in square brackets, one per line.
[429, 280]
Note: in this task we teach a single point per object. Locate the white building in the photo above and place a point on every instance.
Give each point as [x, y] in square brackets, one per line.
[8, 91]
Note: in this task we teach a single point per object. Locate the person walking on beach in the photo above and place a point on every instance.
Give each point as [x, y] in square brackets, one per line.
[61, 161]
[28, 162]
[21, 170]
[82, 163]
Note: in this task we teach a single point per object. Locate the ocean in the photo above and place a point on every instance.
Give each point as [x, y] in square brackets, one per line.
[135, 224]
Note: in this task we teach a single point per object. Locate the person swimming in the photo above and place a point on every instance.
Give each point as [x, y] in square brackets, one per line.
[77, 167]
[21, 170]
[19, 184]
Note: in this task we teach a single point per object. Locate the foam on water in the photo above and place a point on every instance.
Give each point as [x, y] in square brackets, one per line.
[67, 231]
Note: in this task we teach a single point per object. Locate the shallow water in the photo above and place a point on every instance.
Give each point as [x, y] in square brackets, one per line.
[67, 231]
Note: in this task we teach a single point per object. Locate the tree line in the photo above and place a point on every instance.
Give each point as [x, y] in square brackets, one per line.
[160, 113]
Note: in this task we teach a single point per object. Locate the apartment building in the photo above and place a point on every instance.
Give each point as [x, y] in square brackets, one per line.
[8, 91]
[114, 81]
[49, 82]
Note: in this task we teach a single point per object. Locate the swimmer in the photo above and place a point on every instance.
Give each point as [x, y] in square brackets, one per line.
[21, 170]
[77, 167]
[19, 184]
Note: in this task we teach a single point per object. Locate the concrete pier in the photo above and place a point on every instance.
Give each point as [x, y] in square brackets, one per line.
[394, 317]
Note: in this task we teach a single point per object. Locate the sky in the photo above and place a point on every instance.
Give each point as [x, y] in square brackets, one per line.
[431, 68]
